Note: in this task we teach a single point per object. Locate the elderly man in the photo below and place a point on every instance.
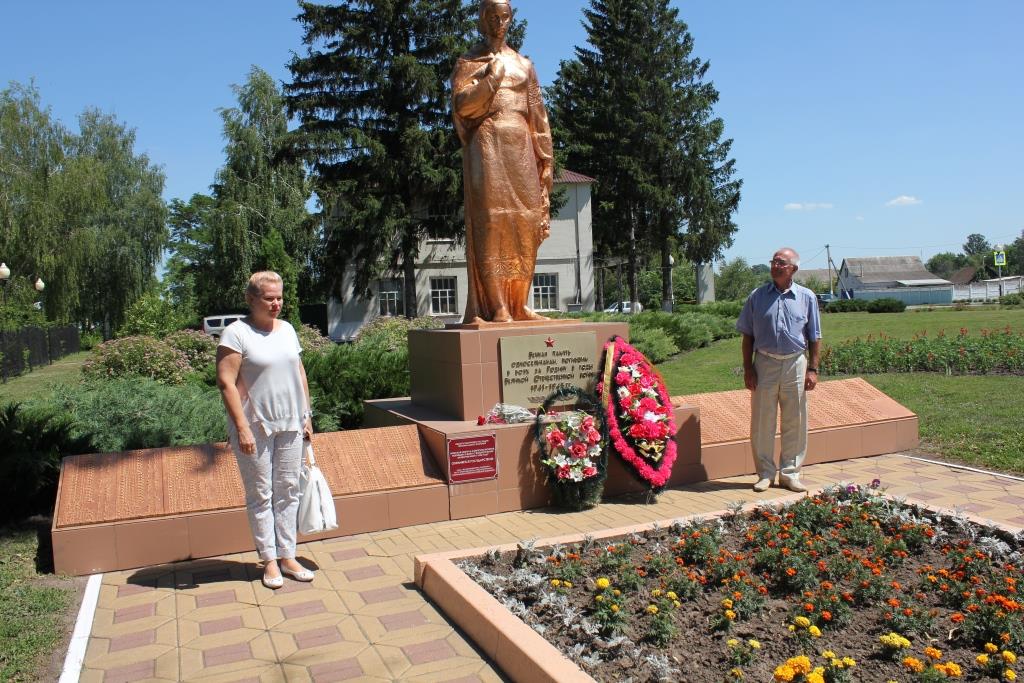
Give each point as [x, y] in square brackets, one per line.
[780, 325]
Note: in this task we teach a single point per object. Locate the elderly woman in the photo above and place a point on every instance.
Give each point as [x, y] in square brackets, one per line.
[507, 169]
[265, 392]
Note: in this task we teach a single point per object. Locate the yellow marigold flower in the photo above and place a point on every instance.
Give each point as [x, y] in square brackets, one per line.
[914, 664]
[567, 584]
[599, 598]
[556, 583]
[652, 609]
[736, 672]
[849, 662]
[815, 677]
[732, 642]
[754, 644]
[802, 622]
[1009, 657]
[933, 653]
[950, 669]
[730, 615]
[727, 603]
[982, 659]
[602, 583]
[1009, 675]
[814, 631]
[615, 608]
[801, 664]
[784, 673]
[792, 628]
[671, 595]
[828, 654]
[676, 603]
[991, 649]
[836, 663]
[616, 592]
[655, 593]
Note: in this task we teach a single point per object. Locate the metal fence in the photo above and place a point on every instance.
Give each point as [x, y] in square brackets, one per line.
[911, 296]
[30, 347]
[985, 291]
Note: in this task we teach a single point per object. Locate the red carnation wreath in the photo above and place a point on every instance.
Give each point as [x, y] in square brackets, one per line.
[641, 422]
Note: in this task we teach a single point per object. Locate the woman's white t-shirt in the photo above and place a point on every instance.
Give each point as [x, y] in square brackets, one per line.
[269, 380]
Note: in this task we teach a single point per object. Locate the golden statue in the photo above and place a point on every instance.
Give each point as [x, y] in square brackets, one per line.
[507, 170]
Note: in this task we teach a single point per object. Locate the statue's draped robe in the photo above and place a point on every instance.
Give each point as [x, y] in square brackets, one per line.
[506, 140]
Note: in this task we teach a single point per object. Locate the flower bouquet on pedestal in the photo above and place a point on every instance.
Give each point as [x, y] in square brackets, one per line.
[641, 423]
[573, 449]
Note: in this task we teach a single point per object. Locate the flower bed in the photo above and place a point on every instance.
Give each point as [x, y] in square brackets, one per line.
[999, 351]
[847, 585]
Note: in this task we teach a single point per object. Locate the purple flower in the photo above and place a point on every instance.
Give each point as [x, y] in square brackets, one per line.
[876, 483]
[851, 488]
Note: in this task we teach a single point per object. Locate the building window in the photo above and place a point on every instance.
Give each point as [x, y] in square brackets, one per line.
[391, 297]
[545, 292]
[442, 296]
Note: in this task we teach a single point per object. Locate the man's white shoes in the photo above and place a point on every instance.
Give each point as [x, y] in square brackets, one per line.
[762, 484]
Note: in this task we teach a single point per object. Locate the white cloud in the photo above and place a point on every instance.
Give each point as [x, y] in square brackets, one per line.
[903, 200]
[806, 206]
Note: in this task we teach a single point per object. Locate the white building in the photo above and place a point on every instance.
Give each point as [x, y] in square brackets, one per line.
[563, 277]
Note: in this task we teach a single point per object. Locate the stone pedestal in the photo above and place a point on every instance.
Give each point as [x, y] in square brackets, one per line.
[457, 371]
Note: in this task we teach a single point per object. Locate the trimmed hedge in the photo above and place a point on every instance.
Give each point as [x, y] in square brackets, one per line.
[341, 378]
[887, 305]
[991, 351]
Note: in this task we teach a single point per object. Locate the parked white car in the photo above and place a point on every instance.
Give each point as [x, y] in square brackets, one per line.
[624, 307]
[213, 325]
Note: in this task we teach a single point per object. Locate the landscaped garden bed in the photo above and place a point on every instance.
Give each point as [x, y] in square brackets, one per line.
[846, 585]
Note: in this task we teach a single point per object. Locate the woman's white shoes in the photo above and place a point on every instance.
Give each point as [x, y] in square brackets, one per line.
[303, 575]
[273, 582]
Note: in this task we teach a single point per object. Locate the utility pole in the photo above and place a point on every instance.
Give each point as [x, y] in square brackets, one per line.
[828, 255]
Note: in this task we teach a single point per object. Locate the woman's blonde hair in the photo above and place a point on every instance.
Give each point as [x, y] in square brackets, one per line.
[257, 280]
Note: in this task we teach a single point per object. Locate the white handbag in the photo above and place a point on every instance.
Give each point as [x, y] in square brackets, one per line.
[316, 504]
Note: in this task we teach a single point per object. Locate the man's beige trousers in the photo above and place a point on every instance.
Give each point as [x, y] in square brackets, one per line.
[780, 384]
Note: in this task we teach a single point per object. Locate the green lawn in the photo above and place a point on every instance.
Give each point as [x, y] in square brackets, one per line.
[970, 419]
[33, 607]
[32, 384]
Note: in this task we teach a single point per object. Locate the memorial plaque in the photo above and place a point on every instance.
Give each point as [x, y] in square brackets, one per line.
[472, 458]
[533, 366]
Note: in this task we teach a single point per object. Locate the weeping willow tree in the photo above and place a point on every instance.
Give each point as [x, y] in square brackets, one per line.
[81, 211]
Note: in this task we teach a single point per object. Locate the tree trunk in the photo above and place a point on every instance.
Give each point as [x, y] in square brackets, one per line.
[634, 294]
[599, 296]
[666, 277]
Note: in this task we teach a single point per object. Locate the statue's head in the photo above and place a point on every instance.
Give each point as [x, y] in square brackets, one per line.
[495, 18]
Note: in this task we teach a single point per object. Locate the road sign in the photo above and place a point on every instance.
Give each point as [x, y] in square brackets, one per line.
[999, 257]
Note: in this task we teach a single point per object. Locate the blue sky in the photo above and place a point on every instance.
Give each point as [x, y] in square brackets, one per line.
[880, 127]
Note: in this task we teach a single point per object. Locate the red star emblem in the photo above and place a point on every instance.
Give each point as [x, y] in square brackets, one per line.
[549, 341]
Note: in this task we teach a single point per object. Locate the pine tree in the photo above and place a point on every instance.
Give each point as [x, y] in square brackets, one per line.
[633, 110]
[371, 97]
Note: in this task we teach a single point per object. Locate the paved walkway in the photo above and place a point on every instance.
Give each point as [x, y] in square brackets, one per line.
[363, 618]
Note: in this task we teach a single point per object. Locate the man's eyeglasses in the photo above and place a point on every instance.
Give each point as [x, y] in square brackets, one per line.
[780, 263]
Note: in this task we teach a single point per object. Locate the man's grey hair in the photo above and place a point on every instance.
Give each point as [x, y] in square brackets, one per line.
[796, 257]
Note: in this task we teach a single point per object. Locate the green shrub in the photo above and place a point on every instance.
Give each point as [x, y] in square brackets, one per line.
[1015, 299]
[200, 349]
[341, 378]
[143, 356]
[89, 340]
[847, 306]
[154, 316]
[391, 333]
[729, 309]
[886, 306]
[653, 342]
[311, 340]
[33, 444]
[125, 413]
